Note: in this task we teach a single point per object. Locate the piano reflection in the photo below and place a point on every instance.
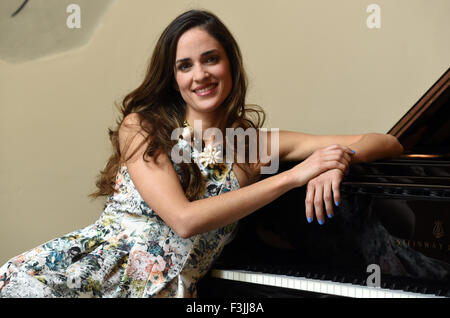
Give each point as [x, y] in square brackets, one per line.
[394, 213]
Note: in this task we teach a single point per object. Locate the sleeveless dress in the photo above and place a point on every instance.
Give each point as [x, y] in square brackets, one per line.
[128, 252]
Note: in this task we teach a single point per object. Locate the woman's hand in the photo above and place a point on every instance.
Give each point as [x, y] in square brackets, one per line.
[323, 189]
[324, 159]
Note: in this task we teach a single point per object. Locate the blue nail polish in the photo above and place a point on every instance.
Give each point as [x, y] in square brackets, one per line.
[353, 151]
[320, 221]
[330, 215]
[337, 203]
[309, 220]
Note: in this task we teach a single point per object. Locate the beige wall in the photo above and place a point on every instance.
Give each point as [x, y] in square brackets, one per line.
[313, 65]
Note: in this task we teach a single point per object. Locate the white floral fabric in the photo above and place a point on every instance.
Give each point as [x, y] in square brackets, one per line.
[128, 252]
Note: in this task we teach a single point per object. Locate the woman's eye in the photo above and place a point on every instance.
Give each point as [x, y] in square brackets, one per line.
[212, 59]
[183, 66]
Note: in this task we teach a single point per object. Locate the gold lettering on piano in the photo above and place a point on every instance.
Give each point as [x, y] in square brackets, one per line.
[422, 244]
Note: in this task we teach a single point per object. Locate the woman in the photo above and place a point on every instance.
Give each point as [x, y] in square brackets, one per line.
[165, 222]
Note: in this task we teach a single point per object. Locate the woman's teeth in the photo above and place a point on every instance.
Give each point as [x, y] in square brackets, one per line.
[204, 90]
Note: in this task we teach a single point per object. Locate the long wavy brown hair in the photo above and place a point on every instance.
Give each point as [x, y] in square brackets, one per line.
[159, 104]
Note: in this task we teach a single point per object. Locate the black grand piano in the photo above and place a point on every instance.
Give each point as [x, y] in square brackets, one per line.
[395, 214]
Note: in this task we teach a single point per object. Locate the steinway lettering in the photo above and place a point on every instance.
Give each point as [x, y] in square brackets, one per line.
[423, 244]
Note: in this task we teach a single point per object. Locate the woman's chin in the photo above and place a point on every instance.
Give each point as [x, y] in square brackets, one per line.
[208, 107]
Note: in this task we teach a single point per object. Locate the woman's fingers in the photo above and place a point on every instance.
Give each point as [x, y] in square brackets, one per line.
[336, 192]
[334, 164]
[328, 200]
[343, 148]
[309, 201]
[340, 156]
[339, 161]
[318, 204]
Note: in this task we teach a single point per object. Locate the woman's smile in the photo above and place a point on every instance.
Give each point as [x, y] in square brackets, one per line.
[206, 90]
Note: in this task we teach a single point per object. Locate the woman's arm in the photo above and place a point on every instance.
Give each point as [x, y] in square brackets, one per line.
[296, 146]
[375, 146]
[159, 185]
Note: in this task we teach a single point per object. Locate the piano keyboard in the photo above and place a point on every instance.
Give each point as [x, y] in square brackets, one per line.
[315, 285]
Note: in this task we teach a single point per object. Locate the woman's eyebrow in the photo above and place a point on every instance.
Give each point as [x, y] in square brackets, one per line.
[203, 54]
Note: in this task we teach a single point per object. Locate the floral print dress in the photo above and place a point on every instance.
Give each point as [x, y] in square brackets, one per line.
[128, 252]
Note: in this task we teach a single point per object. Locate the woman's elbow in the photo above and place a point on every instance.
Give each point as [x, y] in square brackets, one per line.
[183, 231]
[183, 226]
[184, 234]
[392, 147]
[396, 146]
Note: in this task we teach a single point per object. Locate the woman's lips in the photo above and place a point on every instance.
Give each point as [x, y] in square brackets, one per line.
[206, 91]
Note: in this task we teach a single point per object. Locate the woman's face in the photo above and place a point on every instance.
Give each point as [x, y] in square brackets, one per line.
[202, 71]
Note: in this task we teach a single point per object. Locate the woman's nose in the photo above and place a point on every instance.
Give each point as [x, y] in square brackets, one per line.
[200, 73]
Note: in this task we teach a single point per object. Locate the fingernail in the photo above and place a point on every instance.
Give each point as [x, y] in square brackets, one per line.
[320, 221]
[330, 215]
[353, 151]
[337, 203]
[309, 220]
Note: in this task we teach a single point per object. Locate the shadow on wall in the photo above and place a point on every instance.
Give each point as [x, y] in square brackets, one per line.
[33, 29]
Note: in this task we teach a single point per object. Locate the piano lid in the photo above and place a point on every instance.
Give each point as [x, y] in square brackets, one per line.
[424, 131]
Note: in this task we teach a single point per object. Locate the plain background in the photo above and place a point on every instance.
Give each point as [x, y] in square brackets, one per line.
[313, 65]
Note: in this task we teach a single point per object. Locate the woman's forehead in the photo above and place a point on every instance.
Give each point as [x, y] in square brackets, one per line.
[194, 42]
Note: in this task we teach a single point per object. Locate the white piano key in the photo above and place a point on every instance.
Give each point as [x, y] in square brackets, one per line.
[352, 291]
[304, 284]
[277, 280]
[337, 290]
[358, 292]
[374, 292]
[291, 283]
[284, 282]
[344, 290]
[366, 293]
[331, 288]
[323, 287]
[317, 286]
[309, 285]
[272, 281]
[381, 293]
[297, 283]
